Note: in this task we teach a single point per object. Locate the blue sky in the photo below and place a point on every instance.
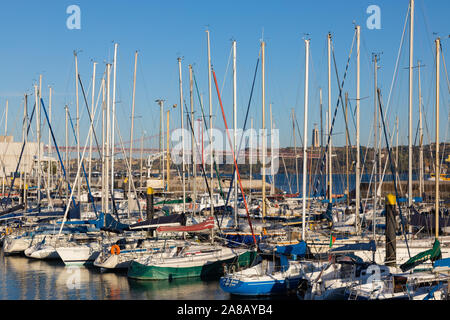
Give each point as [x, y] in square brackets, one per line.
[35, 40]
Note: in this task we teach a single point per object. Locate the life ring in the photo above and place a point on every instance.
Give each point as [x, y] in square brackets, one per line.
[115, 249]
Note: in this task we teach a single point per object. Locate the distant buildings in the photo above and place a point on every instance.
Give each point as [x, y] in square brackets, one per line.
[315, 137]
[10, 153]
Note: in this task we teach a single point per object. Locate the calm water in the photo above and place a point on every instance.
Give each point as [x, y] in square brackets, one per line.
[26, 279]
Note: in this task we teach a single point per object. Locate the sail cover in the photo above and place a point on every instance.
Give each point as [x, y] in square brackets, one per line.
[205, 225]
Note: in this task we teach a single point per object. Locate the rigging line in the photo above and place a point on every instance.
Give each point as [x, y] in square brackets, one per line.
[57, 150]
[341, 87]
[448, 87]
[128, 165]
[203, 171]
[20, 158]
[392, 170]
[223, 81]
[78, 172]
[206, 129]
[96, 142]
[234, 159]
[245, 125]
[91, 198]
[397, 61]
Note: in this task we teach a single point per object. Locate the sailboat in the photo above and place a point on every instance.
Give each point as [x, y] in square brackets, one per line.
[268, 277]
[189, 260]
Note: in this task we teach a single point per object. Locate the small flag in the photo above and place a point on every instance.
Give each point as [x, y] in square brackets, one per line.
[332, 240]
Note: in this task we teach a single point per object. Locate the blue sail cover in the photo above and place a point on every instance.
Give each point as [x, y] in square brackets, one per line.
[371, 246]
[293, 250]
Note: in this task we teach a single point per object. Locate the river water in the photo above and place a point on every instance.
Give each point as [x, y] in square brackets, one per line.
[26, 279]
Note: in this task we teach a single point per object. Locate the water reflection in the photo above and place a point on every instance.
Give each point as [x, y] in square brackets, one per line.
[28, 279]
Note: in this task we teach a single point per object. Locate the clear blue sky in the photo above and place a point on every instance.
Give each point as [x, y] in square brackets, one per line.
[35, 40]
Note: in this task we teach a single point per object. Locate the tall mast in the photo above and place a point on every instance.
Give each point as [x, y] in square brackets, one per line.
[132, 127]
[168, 151]
[77, 124]
[375, 143]
[330, 153]
[24, 140]
[182, 134]
[263, 173]
[321, 119]
[66, 108]
[210, 124]
[49, 136]
[6, 119]
[38, 131]
[108, 133]
[193, 144]
[141, 161]
[358, 161]
[272, 186]
[235, 134]
[295, 150]
[251, 157]
[113, 124]
[438, 170]
[305, 137]
[92, 113]
[346, 152]
[421, 187]
[104, 175]
[410, 100]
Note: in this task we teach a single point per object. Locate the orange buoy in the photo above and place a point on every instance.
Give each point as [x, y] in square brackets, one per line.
[115, 249]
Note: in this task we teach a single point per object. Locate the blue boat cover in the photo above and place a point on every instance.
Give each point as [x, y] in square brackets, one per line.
[293, 250]
[442, 263]
[371, 246]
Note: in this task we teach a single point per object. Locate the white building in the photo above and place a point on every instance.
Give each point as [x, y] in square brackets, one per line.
[10, 153]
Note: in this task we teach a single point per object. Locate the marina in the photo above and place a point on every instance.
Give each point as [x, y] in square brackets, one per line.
[217, 193]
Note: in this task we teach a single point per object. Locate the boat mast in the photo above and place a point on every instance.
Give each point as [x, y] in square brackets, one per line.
[108, 134]
[104, 175]
[251, 158]
[263, 172]
[235, 134]
[210, 124]
[375, 143]
[346, 152]
[38, 132]
[421, 184]
[193, 143]
[358, 163]
[77, 123]
[182, 134]
[92, 113]
[295, 150]
[305, 137]
[113, 124]
[66, 108]
[49, 140]
[272, 186]
[132, 130]
[330, 162]
[168, 151]
[410, 100]
[25, 139]
[438, 171]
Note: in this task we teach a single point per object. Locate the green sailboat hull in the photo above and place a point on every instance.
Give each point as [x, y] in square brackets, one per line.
[210, 270]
